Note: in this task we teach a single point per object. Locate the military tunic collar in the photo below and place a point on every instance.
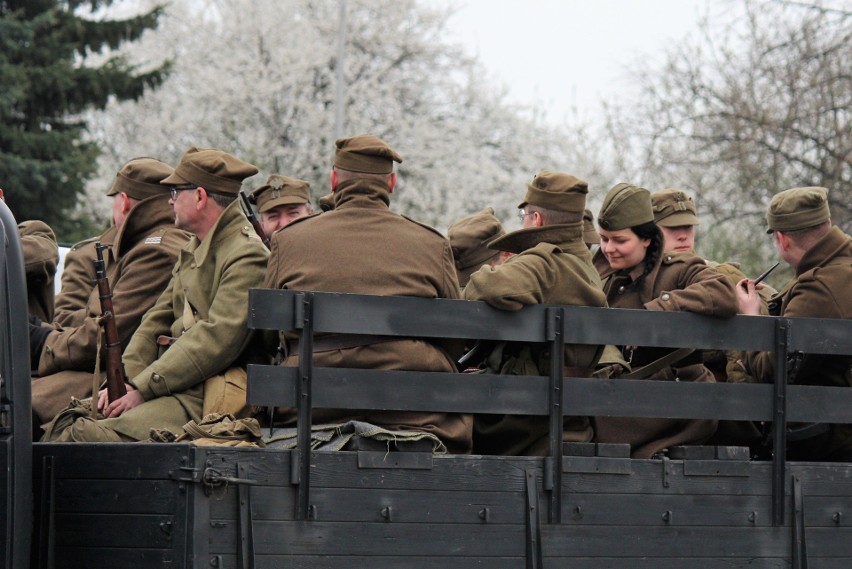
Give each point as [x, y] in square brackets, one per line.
[831, 245]
[145, 216]
[567, 236]
[230, 222]
[361, 192]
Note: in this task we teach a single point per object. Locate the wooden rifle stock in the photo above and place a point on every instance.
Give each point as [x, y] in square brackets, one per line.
[252, 217]
[111, 343]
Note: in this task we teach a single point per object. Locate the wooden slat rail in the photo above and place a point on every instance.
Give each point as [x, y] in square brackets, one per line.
[527, 395]
[459, 319]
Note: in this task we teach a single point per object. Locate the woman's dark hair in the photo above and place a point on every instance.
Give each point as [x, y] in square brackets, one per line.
[652, 253]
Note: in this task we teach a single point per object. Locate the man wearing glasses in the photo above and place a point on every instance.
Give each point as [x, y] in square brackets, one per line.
[198, 327]
[139, 252]
[551, 265]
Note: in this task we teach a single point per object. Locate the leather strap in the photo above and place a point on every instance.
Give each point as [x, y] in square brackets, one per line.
[667, 360]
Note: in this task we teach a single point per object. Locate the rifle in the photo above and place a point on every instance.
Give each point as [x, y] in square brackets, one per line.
[766, 272]
[111, 343]
[252, 217]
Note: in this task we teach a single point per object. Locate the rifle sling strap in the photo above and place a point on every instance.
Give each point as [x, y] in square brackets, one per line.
[667, 360]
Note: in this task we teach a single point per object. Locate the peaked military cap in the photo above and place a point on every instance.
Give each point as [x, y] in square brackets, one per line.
[281, 190]
[557, 191]
[590, 234]
[469, 238]
[212, 169]
[140, 178]
[625, 205]
[798, 208]
[673, 208]
[366, 154]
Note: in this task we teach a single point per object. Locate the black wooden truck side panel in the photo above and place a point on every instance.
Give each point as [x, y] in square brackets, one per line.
[15, 418]
[588, 506]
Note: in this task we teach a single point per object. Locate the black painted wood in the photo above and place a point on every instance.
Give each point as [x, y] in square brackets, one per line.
[527, 395]
[443, 318]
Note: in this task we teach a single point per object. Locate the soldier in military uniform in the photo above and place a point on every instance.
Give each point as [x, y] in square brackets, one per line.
[676, 216]
[551, 265]
[41, 255]
[281, 200]
[198, 326]
[799, 220]
[139, 259]
[469, 238]
[78, 279]
[361, 246]
[640, 275]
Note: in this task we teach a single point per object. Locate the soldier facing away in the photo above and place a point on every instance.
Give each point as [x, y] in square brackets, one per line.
[551, 265]
[469, 238]
[799, 220]
[41, 255]
[361, 246]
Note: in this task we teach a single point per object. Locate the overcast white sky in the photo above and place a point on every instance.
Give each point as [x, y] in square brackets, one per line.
[560, 53]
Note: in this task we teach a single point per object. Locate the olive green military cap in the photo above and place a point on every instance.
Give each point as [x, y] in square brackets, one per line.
[557, 191]
[798, 208]
[366, 154]
[140, 178]
[469, 238]
[214, 170]
[281, 190]
[590, 234]
[326, 202]
[625, 205]
[673, 208]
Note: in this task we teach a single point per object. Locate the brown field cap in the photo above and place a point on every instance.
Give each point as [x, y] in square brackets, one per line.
[557, 191]
[212, 169]
[366, 154]
[673, 208]
[798, 208]
[625, 205]
[281, 190]
[140, 178]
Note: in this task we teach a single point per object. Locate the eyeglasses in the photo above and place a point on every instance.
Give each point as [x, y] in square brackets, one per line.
[176, 189]
[522, 214]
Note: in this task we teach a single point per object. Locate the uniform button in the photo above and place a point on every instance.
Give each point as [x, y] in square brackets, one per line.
[156, 377]
[620, 290]
[666, 296]
[668, 257]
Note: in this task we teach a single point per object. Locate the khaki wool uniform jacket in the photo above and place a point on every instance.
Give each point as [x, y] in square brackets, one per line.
[41, 255]
[139, 267]
[362, 247]
[683, 282]
[820, 289]
[552, 265]
[78, 279]
[214, 277]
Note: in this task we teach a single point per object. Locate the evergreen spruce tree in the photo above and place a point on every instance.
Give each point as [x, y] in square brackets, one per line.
[47, 82]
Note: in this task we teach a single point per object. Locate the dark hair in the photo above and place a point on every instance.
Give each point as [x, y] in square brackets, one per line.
[222, 200]
[652, 253]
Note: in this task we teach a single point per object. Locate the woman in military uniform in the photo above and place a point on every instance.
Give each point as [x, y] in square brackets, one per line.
[637, 273]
